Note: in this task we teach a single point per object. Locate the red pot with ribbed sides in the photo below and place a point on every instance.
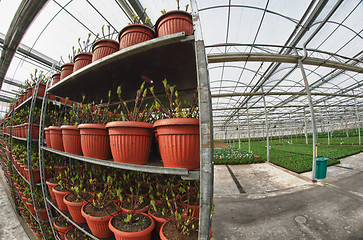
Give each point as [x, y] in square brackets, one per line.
[98, 225]
[56, 78]
[174, 22]
[47, 137]
[66, 70]
[144, 234]
[135, 33]
[81, 60]
[56, 138]
[74, 209]
[71, 139]
[130, 141]
[59, 196]
[95, 142]
[179, 142]
[103, 48]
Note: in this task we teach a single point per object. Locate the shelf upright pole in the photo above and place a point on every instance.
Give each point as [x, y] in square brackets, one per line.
[41, 157]
[312, 114]
[29, 154]
[249, 130]
[306, 128]
[357, 115]
[267, 128]
[205, 128]
[329, 122]
[239, 134]
[291, 132]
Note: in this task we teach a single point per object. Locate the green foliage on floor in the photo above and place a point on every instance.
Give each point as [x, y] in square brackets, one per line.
[233, 155]
[296, 155]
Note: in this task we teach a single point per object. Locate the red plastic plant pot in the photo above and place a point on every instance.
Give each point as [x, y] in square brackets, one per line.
[103, 48]
[135, 33]
[179, 142]
[81, 60]
[130, 141]
[56, 78]
[71, 139]
[56, 138]
[95, 142]
[174, 22]
[66, 70]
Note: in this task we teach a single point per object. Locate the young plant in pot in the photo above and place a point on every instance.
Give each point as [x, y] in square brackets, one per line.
[99, 212]
[132, 224]
[70, 133]
[84, 55]
[178, 130]
[136, 32]
[61, 190]
[62, 226]
[67, 68]
[75, 201]
[130, 138]
[106, 45]
[55, 131]
[76, 234]
[174, 21]
[95, 142]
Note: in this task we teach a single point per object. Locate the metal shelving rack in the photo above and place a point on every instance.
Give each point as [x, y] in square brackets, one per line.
[179, 58]
[32, 101]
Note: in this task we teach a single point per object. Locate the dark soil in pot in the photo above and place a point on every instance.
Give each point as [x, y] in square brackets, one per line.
[172, 233]
[142, 223]
[108, 210]
[72, 198]
[76, 234]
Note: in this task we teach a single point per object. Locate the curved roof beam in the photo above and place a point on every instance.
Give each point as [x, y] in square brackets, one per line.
[24, 16]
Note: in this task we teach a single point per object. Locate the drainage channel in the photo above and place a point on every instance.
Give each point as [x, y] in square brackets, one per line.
[239, 186]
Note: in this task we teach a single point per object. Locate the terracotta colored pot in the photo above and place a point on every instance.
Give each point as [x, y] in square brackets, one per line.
[59, 195]
[141, 235]
[30, 206]
[174, 22]
[71, 139]
[81, 60]
[50, 188]
[179, 142]
[43, 215]
[130, 141]
[56, 78]
[74, 209]
[95, 142]
[60, 170]
[22, 130]
[40, 237]
[135, 33]
[41, 89]
[56, 138]
[47, 137]
[35, 131]
[51, 97]
[36, 175]
[103, 48]
[62, 230]
[28, 93]
[66, 70]
[98, 225]
[143, 210]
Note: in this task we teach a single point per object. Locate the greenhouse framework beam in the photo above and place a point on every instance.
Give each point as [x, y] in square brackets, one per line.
[24, 16]
[290, 106]
[282, 93]
[280, 58]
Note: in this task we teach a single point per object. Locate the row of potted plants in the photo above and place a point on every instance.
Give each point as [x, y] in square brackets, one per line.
[88, 52]
[127, 133]
[110, 199]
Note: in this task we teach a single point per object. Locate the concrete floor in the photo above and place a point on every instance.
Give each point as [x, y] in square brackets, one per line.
[280, 205]
[10, 227]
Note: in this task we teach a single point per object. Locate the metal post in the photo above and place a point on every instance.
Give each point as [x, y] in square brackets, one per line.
[312, 115]
[329, 122]
[357, 114]
[291, 132]
[249, 131]
[266, 124]
[346, 122]
[239, 134]
[206, 129]
[306, 128]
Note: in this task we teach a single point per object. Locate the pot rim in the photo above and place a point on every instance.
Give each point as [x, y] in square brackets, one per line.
[54, 128]
[170, 13]
[83, 53]
[91, 126]
[176, 121]
[69, 127]
[104, 40]
[131, 124]
[133, 25]
[132, 234]
[67, 64]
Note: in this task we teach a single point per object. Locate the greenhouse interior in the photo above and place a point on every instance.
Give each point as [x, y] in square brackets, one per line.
[270, 92]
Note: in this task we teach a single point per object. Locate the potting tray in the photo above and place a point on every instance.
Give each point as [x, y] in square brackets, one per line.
[171, 57]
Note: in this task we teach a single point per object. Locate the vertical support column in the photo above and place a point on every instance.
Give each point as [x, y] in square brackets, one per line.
[329, 122]
[357, 115]
[312, 115]
[306, 128]
[205, 128]
[249, 130]
[266, 124]
[239, 133]
[291, 132]
[346, 122]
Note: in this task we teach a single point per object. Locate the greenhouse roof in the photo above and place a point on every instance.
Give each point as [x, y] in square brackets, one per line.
[253, 47]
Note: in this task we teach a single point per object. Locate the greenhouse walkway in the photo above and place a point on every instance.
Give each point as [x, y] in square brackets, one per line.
[10, 227]
[261, 201]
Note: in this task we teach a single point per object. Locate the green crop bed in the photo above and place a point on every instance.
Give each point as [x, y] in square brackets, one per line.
[296, 156]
